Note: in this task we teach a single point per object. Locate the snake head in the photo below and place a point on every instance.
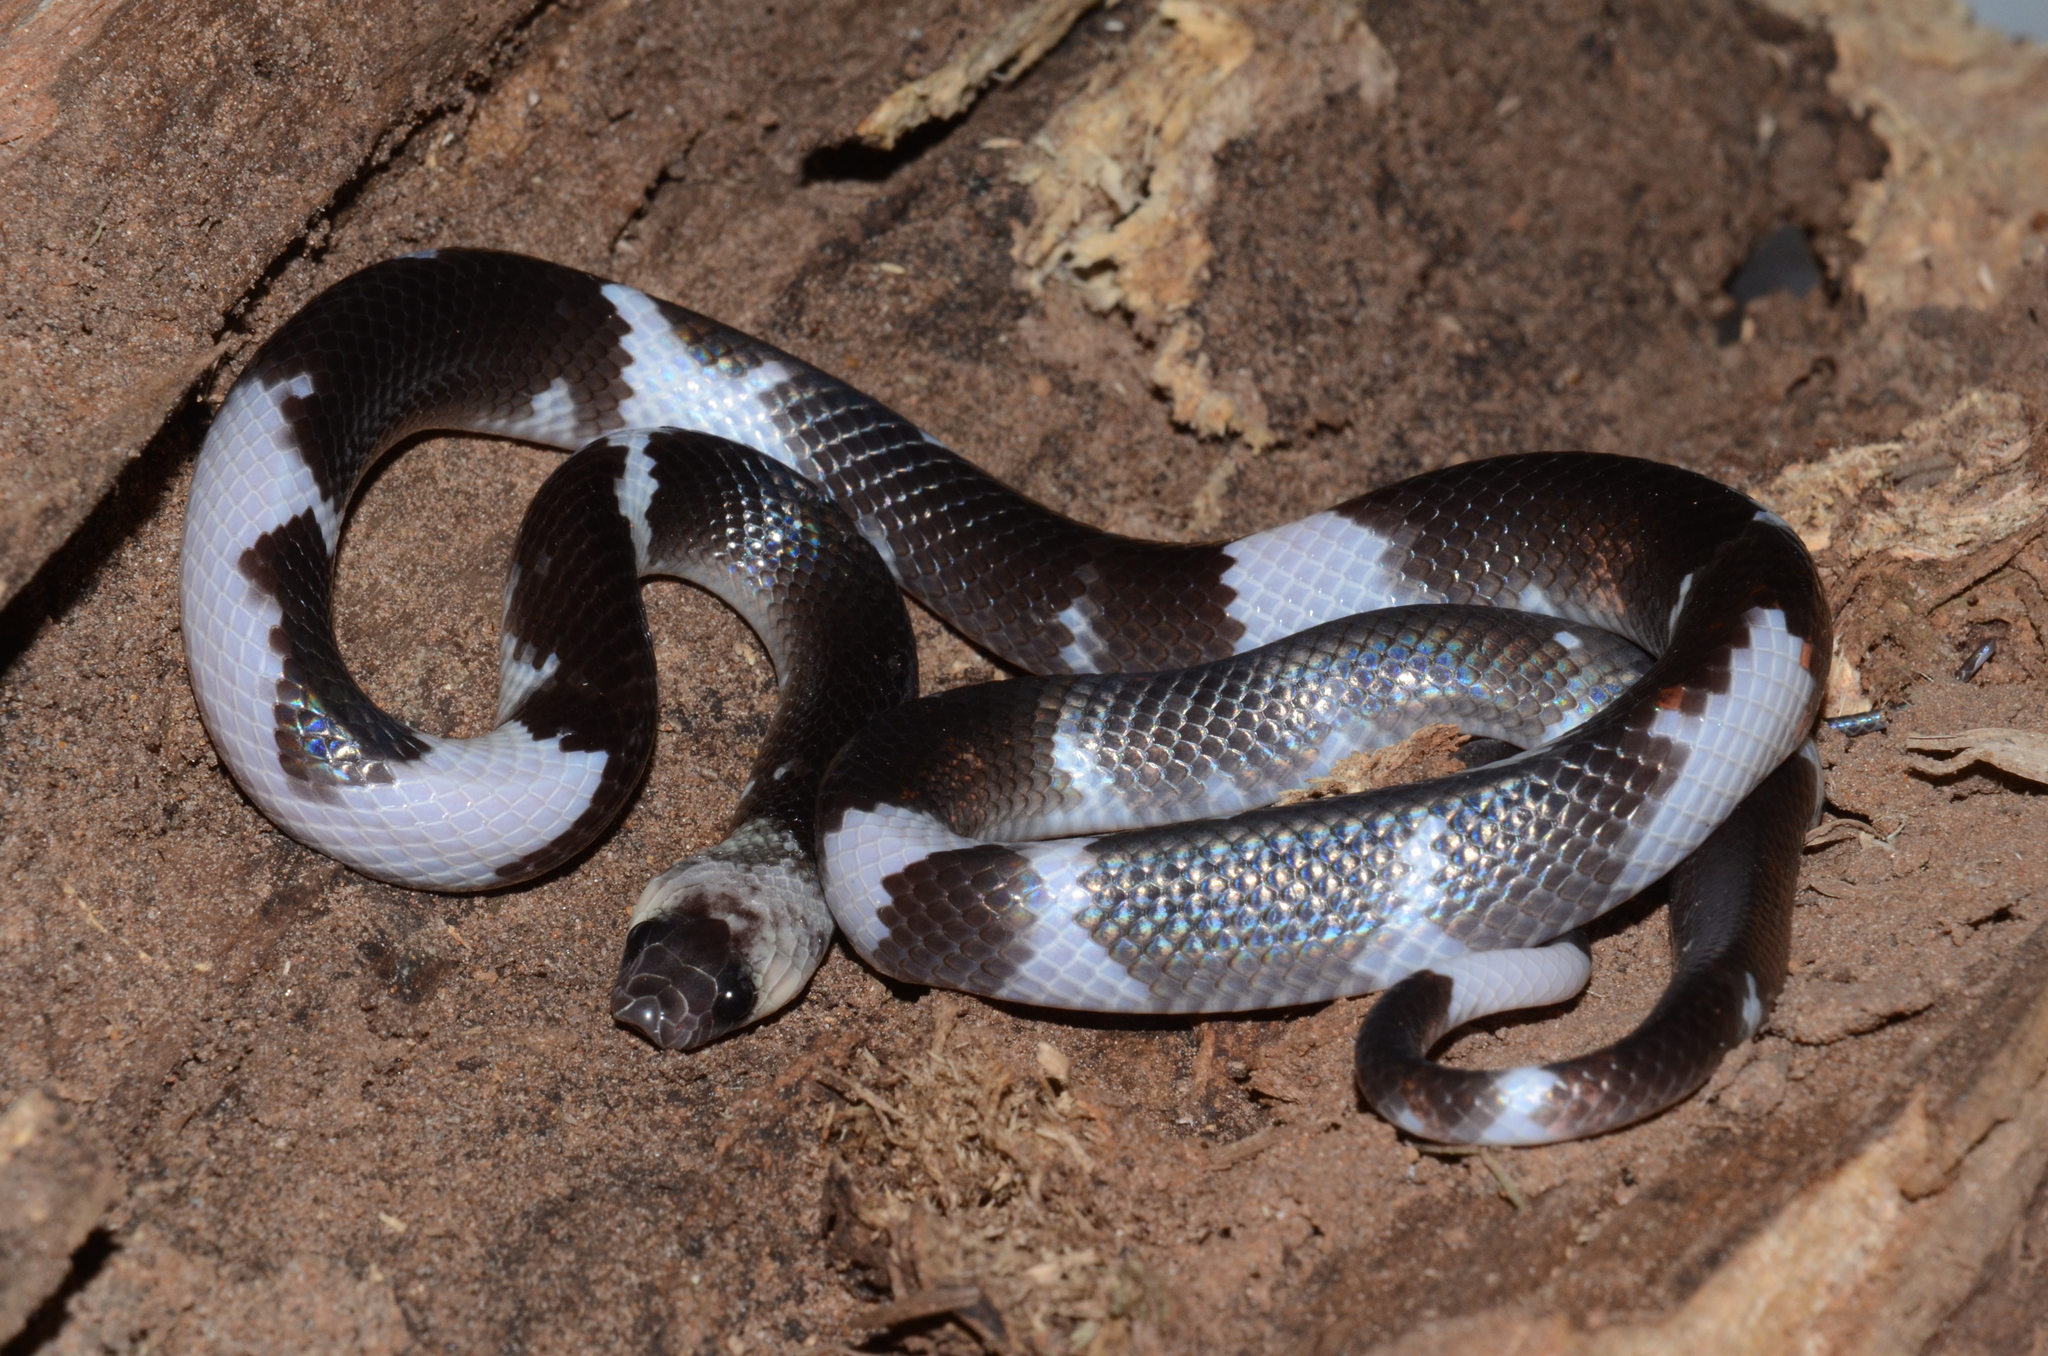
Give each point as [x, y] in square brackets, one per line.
[683, 982]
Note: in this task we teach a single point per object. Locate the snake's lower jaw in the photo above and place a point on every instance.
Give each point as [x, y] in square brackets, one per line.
[682, 983]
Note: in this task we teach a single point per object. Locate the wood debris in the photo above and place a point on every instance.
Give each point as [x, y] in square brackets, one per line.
[2023, 753]
[1013, 48]
[1123, 175]
[964, 1189]
[1431, 751]
[1904, 528]
[1963, 201]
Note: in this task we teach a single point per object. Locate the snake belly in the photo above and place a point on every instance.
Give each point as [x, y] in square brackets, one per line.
[1270, 906]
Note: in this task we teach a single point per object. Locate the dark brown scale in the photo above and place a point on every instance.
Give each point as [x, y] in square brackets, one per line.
[768, 542]
[318, 703]
[684, 979]
[1616, 534]
[1731, 935]
[577, 602]
[967, 754]
[980, 758]
[958, 918]
[828, 608]
[482, 334]
[980, 761]
[994, 563]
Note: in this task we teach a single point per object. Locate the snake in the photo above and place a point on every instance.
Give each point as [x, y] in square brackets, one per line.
[1639, 651]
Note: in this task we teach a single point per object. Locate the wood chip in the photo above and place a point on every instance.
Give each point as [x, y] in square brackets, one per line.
[2023, 753]
[1004, 54]
[966, 1303]
[1251, 1146]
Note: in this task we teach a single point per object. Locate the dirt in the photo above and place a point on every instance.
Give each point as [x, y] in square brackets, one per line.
[353, 1117]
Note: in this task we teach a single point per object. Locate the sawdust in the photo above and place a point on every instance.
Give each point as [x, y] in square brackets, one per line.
[1949, 488]
[1869, 1259]
[1946, 485]
[1963, 203]
[39, 39]
[963, 1189]
[352, 1114]
[178, 1298]
[57, 1179]
[1825, 1013]
[210, 135]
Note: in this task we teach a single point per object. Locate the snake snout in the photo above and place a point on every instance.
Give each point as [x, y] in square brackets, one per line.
[682, 983]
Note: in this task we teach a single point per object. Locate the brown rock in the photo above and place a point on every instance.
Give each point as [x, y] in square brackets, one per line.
[155, 162]
[57, 1179]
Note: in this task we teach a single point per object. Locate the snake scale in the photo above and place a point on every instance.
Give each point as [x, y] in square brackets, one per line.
[1643, 650]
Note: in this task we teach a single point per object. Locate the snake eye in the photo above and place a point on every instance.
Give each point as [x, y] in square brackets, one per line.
[735, 1001]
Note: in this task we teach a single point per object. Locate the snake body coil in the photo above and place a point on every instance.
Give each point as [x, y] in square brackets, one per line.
[1076, 841]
